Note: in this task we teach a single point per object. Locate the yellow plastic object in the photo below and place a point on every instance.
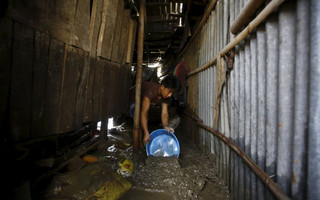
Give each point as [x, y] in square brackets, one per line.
[126, 168]
[90, 158]
[112, 190]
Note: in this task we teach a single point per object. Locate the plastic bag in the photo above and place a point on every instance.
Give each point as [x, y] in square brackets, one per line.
[125, 168]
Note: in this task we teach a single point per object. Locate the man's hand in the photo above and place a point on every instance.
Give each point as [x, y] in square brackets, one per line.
[169, 129]
[144, 119]
[146, 138]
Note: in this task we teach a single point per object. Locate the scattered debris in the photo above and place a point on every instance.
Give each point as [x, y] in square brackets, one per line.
[122, 173]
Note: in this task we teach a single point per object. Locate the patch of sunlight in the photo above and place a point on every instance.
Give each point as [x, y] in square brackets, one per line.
[110, 123]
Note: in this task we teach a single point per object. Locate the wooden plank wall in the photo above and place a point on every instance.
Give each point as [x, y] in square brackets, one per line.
[54, 77]
[6, 27]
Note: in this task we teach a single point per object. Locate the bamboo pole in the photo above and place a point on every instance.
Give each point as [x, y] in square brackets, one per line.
[274, 188]
[203, 67]
[247, 11]
[136, 124]
[274, 4]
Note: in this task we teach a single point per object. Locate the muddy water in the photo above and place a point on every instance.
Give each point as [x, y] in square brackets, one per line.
[193, 175]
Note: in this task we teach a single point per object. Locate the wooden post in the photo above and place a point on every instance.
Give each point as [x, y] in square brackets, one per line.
[136, 124]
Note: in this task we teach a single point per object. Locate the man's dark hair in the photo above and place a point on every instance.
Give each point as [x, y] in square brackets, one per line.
[171, 82]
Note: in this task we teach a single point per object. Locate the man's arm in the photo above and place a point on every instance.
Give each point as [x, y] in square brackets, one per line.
[144, 119]
[165, 117]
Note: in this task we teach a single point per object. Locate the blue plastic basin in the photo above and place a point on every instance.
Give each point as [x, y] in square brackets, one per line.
[163, 144]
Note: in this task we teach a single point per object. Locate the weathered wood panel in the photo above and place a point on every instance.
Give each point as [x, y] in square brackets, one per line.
[68, 94]
[67, 21]
[29, 13]
[57, 54]
[40, 69]
[88, 107]
[6, 27]
[106, 33]
[21, 81]
[114, 103]
[81, 25]
[117, 34]
[57, 18]
[126, 88]
[106, 84]
[121, 93]
[64, 86]
[131, 40]
[60, 19]
[96, 104]
[81, 81]
[95, 21]
[123, 43]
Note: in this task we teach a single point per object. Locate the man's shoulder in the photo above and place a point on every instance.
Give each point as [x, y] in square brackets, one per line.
[149, 90]
[150, 84]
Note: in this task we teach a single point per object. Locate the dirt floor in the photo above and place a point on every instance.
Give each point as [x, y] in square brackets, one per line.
[192, 175]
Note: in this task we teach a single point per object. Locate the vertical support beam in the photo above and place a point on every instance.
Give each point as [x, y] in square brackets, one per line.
[136, 124]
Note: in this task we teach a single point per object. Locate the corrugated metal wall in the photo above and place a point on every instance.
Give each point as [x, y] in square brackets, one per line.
[270, 101]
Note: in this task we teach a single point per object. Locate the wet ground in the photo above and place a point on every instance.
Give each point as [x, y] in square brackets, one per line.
[191, 176]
